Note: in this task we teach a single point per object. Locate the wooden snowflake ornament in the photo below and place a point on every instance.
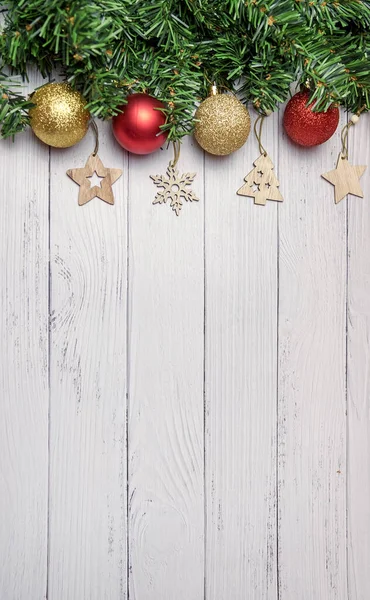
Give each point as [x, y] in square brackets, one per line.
[261, 183]
[174, 188]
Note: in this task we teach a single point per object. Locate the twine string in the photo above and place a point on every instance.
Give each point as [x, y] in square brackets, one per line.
[219, 86]
[344, 134]
[258, 133]
[344, 138]
[94, 127]
[176, 153]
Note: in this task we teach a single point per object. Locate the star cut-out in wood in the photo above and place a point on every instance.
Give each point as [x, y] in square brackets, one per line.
[345, 178]
[102, 191]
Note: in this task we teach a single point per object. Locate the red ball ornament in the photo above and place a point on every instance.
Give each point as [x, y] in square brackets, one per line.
[308, 128]
[137, 128]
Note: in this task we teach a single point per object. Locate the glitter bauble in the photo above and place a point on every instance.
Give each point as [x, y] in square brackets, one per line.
[59, 118]
[137, 127]
[222, 124]
[306, 127]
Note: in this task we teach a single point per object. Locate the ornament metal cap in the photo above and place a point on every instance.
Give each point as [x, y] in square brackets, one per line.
[213, 90]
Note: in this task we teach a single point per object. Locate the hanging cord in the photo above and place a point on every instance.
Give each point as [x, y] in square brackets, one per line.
[176, 154]
[94, 127]
[344, 138]
[259, 121]
[344, 134]
[214, 87]
[213, 83]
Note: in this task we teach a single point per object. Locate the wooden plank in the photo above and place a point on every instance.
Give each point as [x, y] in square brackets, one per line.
[358, 372]
[241, 372]
[24, 391]
[312, 365]
[87, 554]
[166, 386]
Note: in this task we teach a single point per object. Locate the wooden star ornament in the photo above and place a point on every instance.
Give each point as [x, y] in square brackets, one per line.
[102, 191]
[345, 178]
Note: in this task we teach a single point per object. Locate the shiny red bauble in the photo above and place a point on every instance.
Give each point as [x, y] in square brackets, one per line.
[306, 127]
[137, 128]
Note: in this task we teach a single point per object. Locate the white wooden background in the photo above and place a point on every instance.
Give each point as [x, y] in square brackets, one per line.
[185, 402]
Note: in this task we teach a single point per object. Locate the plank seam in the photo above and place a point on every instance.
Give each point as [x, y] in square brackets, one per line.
[127, 378]
[278, 592]
[346, 394]
[205, 496]
[49, 381]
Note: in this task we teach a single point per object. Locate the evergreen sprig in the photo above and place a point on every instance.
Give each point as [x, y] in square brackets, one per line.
[174, 49]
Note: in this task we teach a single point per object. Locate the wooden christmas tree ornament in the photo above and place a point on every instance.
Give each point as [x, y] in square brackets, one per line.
[346, 177]
[94, 165]
[261, 182]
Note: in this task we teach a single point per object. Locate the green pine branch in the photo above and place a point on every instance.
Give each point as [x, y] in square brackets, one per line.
[174, 49]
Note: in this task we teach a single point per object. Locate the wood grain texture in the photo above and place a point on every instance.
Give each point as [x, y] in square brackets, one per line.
[166, 386]
[345, 178]
[227, 335]
[87, 533]
[241, 361]
[24, 391]
[83, 177]
[312, 366]
[359, 373]
[261, 182]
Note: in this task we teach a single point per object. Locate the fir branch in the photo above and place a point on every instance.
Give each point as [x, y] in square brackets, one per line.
[14, 107]
[173, 49]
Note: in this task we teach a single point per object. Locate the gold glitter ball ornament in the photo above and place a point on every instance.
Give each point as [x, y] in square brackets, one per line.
[222, 124]
[59, 118]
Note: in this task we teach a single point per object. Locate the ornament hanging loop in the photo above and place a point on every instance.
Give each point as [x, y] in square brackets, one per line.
[94, 127]
[344, 135]
[344, 138]
[258, 133]
[176, 154]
